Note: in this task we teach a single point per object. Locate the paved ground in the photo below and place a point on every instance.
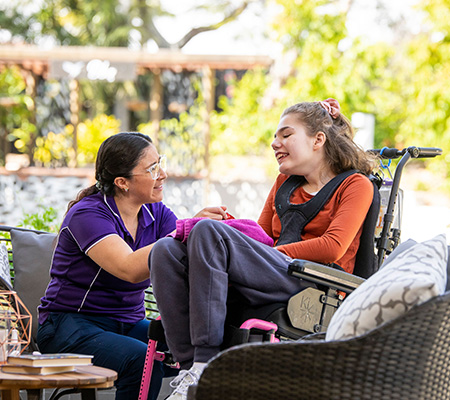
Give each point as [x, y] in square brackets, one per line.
[423, 221]
[426, 213]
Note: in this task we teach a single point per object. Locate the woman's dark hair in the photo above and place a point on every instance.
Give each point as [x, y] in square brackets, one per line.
[117, 156]
[342, 153]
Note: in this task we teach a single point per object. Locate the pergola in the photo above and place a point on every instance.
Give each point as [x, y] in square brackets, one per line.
[120, 63]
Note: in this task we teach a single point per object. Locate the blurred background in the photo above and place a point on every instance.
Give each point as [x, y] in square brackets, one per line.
[208, 80]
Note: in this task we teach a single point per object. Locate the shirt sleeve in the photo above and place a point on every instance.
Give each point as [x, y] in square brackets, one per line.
[167, 220]
[352, 203]
[265, 218]
[90, 225]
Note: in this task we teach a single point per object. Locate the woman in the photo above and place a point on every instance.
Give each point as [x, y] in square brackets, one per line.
[94, 303]
[191, 281]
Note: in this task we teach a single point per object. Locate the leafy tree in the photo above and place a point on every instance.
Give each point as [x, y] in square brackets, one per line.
[241, 127]
[404, 83]
[15, 112]
[427, 86]
[105, 22]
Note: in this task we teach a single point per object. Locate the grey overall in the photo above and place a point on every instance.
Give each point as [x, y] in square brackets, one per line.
[191, 284]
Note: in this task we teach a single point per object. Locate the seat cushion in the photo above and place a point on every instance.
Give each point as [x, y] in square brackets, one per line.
[32, 257]
[413, 274]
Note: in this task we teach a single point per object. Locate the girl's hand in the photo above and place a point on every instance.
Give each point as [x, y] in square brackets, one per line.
[218, 213]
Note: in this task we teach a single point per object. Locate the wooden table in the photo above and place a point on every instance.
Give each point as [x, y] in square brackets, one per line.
[87, 378]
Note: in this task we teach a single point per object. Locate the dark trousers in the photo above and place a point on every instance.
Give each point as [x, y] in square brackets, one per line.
[114, 345]
[191, 281]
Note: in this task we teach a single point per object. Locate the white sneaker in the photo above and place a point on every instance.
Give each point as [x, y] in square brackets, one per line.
[182, 382]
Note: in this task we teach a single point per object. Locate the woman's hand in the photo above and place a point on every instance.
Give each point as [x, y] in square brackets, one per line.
[218, 213]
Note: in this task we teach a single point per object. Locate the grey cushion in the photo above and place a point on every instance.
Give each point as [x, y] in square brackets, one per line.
[32, 257]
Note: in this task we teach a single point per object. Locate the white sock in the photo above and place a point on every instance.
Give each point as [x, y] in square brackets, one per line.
[199, 366]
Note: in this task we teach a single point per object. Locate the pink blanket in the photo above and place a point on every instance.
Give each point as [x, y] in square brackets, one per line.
[246, 226]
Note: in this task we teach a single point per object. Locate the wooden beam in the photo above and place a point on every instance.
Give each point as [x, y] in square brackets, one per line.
[156, 104]
[74, 87]
[208, 83]
[161, 59]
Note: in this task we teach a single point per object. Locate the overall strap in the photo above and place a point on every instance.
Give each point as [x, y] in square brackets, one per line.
[294, 217]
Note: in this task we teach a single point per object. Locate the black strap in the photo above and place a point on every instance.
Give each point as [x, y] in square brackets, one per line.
[294, 217]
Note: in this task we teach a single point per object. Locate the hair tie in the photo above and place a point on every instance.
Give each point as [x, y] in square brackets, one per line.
[332, 107]
[98, 185]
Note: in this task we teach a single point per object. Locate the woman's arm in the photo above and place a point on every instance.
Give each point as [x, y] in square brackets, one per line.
[115, 256]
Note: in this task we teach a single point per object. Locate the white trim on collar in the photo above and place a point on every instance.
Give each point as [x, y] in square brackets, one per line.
[104, 199]
[146, 208]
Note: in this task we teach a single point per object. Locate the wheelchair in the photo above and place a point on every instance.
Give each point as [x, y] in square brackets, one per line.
[310, 311]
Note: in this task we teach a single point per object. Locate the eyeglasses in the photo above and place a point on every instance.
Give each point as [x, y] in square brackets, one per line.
[155, 169]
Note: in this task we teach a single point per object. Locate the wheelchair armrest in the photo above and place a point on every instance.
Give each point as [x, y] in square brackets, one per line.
[324, 275]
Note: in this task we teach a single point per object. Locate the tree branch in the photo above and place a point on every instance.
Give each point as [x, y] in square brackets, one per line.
[195, 31]
[149, 30]
[154, 33]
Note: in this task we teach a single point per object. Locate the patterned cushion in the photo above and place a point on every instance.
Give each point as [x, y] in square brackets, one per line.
[411, 277]
[5, 275]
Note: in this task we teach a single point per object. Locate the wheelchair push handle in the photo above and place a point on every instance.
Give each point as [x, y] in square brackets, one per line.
[415, 152]
[425, 152]
[386, 243]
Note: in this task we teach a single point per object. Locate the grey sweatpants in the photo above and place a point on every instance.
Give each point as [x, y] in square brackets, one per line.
[190, 283]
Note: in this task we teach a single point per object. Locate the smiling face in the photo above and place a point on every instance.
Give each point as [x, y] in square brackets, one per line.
[295, 151]
[141, 186]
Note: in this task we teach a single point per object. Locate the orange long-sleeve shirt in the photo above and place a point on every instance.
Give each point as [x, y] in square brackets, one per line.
[333, 235]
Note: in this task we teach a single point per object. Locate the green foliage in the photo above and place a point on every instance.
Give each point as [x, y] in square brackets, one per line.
[425, 82]
[91, 133]
[329, 64]
[96, 22]
[242, 127]
[15, 125]
[405, 84]
[55, 149]
[182, 140]
[45, 219]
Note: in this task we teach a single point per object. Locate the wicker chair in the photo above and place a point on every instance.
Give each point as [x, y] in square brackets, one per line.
[407, 358]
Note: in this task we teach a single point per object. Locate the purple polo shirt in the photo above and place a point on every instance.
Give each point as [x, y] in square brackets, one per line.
[77, 283]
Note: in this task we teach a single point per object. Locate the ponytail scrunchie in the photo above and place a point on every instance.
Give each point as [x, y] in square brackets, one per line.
[332, 107]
